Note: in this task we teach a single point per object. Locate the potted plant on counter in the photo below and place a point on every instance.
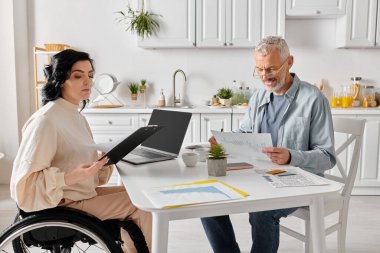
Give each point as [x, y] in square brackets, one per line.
[142, 87]
[133, 88]
[217, 161]
[225, 95]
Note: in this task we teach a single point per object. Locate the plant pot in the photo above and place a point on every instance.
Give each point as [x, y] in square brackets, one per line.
[225, 101]
[217, 167]
[134, 96]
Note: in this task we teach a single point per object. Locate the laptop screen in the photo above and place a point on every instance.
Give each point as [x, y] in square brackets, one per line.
[170, 137]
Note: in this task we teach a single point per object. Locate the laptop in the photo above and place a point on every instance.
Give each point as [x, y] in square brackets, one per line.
[166, 143]
[131, 142]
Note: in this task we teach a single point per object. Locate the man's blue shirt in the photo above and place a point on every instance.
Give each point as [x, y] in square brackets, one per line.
[306, 128]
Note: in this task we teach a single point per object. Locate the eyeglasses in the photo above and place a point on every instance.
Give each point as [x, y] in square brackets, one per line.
[259, 72]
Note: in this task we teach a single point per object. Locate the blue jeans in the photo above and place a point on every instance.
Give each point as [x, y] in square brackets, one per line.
[265, 231]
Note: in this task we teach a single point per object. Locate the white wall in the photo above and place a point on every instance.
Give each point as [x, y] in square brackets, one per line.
[90, 25]
[15, 93]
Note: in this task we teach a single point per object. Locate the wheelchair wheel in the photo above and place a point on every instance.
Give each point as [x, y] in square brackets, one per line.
[58, 232]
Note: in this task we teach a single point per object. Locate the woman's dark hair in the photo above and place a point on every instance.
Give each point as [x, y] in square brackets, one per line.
[58, 71]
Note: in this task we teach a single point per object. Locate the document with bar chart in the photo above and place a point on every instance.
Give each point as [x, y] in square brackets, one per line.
[192, 193]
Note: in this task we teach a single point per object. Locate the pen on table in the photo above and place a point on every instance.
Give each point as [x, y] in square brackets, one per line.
[284, 175]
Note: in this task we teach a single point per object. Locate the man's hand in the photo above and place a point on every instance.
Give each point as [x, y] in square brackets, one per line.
[278, 155]
[212, 140]
[84, 171]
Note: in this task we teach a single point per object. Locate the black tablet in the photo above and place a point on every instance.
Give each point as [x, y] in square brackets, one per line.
[130, 143]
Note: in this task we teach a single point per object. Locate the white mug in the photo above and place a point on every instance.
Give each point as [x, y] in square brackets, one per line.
[203, 153]
[190, 159]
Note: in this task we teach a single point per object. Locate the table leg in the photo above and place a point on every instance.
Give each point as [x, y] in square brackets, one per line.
[160, 232]
[317, 222]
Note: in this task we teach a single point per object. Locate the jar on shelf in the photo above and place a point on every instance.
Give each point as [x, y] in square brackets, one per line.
[369, 96]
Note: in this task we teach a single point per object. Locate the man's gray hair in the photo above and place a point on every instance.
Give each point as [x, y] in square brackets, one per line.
[270, 42]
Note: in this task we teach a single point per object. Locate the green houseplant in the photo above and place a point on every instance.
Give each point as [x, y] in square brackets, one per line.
[133, 88]
[217, 160]
[141, 22]
[142, 87]
[225, 95]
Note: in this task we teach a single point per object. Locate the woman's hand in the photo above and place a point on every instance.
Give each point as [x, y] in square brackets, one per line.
[278, 155]
[212, 140]
[84, 171]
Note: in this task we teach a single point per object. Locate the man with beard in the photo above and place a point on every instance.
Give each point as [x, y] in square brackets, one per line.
[298, 117]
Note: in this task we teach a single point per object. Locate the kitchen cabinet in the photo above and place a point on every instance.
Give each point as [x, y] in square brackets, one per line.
[359, 28]
[114, 124]
[215, 23]
[214, 121]
[110, 128]
[315, 9]
[177, 24]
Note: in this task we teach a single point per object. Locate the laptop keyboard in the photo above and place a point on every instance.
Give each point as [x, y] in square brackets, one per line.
[145, 153]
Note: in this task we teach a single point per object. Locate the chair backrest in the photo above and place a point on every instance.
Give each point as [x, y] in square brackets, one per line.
[354, 128]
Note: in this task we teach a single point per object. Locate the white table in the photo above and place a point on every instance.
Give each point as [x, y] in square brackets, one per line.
[262, 197]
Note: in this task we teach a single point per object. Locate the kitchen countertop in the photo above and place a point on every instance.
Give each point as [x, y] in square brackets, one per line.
[206, 109]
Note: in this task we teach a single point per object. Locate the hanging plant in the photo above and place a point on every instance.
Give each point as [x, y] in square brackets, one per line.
[141, 22]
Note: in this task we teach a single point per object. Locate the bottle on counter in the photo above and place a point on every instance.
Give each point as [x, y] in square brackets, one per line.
[161, 100]
[369, 96]
[355, 90]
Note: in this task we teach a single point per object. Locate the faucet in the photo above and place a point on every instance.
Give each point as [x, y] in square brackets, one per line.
[177, 100]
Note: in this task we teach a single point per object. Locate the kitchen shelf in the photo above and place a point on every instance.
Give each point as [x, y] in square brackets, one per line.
[39, 51]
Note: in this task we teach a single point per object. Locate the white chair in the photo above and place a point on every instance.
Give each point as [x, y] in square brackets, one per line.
[353, 128]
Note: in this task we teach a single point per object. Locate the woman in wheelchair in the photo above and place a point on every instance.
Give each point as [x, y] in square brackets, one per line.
[55, 171]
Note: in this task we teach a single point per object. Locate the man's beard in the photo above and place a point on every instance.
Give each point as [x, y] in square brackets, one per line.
[278, 86]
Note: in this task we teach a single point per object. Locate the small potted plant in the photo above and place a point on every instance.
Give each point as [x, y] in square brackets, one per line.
[133, 88]
[142, 22]
[225, 95]
[142, 87]
[217, 161]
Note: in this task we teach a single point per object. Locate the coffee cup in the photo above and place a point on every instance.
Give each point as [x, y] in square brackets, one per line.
[190, 159]
[203, 153]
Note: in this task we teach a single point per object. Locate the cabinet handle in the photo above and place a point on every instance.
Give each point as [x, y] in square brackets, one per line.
[110, 140]
[224, 44]
[318, 12]
[230, 44]
[194, 44]
[109, 122]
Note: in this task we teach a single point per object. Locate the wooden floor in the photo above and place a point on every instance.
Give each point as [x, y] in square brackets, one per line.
[187, 236]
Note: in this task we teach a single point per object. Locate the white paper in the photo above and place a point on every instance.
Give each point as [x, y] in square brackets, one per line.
[297, 180]
[187, 194]
[244, 145]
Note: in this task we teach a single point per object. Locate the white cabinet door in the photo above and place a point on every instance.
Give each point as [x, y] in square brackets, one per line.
[368, 179]
[377, 44]
[177, 24]
[213, 121]
[315, 8]
[272, 18]
[211, 23]
[243, 23]
[236, 120]
[358, 27]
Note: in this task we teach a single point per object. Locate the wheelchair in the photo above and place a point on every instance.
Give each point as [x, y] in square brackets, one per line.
[65, 230]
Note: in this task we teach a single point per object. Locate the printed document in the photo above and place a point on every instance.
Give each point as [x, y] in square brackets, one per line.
[244, 145]
[192, 193]
[291, 177]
